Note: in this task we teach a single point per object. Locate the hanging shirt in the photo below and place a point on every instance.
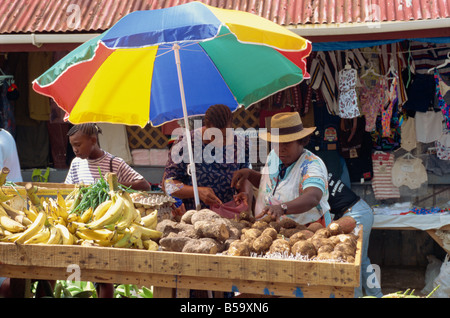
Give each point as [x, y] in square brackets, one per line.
[382, 185]
[276, 188]
[348, 99]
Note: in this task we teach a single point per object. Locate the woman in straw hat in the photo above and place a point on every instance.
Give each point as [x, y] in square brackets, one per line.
[293, 181]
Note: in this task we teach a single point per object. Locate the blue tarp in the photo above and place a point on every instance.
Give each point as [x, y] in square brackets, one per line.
[347, 45]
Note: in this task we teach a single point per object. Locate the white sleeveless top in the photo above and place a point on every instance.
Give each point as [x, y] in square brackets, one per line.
[309, 170]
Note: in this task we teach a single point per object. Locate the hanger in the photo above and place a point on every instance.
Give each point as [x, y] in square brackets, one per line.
[370, 70]
[408, 155]
[447, 60]
[3, 76]
[392, 70]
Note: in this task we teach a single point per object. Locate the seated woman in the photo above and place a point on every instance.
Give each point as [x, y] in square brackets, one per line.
[293, 182]
[214, 163]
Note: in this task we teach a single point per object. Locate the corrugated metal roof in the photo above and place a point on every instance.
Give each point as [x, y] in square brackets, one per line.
[28, 16]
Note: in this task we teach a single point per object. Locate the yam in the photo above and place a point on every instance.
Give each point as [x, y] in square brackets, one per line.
[175, 243]
[318, 241]
[289, 232]
[260, 225]
[325, 256]
[304, 248]
[313, 227]
[262, 244]
[345, 248]
[335, 229]
[250, 233]
[338, 256]
[270, 232]
[275, 225]
[202, 245]
[325, 249]
[266, 218]
[215, 230]
[204, 215]
[300, 235]
[287, 223]
[347, 224]
[346, 238]
[186, 217]
[238, 248]
[324, 232]
[245, 223]
[280, 246]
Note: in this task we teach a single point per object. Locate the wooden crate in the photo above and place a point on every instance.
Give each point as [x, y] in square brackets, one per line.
[43, 188]
[174, 274]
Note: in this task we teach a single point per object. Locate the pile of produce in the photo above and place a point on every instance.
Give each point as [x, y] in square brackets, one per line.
[207, 232]
[92, 215]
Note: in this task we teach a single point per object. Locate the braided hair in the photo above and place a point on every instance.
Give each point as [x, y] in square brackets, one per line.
[218, 116]
[89, 129]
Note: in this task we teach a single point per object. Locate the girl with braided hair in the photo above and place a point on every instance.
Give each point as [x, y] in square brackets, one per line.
[90, 157]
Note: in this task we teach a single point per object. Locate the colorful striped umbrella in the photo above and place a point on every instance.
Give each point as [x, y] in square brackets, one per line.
[128, 74]
[160, 65]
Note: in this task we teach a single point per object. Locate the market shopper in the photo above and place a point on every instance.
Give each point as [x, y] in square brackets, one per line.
[85, 169]
[213, 164]
[293, 182]
[344, 202]
[9, 157]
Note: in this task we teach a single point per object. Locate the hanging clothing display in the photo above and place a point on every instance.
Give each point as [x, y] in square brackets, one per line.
[409, 171]
[348, 99]
[373, 98]
[443, 145]
[382, 185]
[408, 134]
[429, 126]
[444, 106]
[387, 111]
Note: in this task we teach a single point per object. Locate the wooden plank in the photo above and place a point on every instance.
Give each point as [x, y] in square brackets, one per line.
[105, 259]
[43, 188]
[432, 233]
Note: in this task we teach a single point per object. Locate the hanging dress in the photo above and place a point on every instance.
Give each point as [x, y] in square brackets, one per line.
[348, 98]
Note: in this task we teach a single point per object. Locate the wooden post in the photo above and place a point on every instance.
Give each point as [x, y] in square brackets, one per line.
[3, 174]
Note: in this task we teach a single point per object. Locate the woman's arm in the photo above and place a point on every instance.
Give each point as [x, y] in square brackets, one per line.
[139, 185]
[309, 199]
[240, 176]
[205, 194]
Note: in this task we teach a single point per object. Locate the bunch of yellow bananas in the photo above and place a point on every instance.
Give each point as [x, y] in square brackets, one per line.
[114, 223]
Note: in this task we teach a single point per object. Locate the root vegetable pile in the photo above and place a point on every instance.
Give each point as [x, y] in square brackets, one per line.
[207, 232]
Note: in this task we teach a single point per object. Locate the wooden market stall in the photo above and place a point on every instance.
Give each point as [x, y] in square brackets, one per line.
[173, 274]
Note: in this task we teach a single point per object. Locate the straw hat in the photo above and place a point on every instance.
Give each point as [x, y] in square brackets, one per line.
[290, 128]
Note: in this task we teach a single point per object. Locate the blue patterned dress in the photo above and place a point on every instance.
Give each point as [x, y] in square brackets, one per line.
[214, 167]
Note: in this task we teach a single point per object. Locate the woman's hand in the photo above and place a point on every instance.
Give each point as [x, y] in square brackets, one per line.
[239, 177]
[240, 198]
[208, 196]
[275, 211]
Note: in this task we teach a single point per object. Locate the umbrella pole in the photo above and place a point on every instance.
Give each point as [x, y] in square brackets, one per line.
[191, 166]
